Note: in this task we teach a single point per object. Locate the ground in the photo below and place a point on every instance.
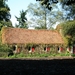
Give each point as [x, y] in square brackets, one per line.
[38, 66]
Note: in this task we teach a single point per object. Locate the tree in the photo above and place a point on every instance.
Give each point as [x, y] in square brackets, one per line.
[22, 20]
[68, 29]
[49, 2]
[68, 5]
[4, 11]
[71, 12]
[38, 15]
[44, 18]
[4, 14]
[68, 2]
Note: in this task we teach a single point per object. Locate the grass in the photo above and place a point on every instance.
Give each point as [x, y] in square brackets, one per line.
[22, 55]
[52, 53]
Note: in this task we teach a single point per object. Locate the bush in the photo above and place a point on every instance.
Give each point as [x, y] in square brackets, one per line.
[73, 55]
[4, 48]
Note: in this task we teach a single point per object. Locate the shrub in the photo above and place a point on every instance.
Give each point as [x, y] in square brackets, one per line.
[4, 48]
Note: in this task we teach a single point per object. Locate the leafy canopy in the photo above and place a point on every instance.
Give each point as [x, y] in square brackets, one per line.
[22, 20]
[4, 11]
[68, 29]
[43, 18]
[67, 5]
[4, 14]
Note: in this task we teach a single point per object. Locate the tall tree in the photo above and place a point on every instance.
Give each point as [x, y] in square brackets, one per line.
[71, 11]
[49, 2]
[4, 14]
[4, 11]
[67, 2]
[22, 20]
[40, 15]
[68, 29]
[68, 5]
[43, 17]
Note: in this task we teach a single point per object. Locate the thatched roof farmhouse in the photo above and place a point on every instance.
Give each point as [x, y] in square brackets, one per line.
[25, 36]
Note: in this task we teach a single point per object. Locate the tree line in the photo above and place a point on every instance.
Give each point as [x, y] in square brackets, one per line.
[41, 16]
[45, 13]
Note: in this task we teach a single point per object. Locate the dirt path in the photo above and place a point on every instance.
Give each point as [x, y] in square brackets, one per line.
[42, 66]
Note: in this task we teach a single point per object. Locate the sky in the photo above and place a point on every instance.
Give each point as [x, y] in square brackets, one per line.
[16, 6]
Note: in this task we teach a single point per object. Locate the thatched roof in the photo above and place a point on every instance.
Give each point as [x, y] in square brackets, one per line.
[25, 36]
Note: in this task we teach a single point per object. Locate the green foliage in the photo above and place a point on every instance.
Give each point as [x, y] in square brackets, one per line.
[29, 46]
[50, 2]
[1, 25]
[6, 24]
[73, 55]
[4, 48]
[4, 11]
[69, 31]
[39, 14]
[39, 55]
[22, 20]
[65, 54]
[67, 5]
[69, 28]
[4, 14]
[68, 2]
[44, 18]
[71, 10]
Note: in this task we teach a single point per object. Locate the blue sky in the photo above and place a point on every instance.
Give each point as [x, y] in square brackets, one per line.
[16, 6]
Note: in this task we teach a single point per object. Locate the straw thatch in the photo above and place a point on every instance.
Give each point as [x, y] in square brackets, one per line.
[25, 36]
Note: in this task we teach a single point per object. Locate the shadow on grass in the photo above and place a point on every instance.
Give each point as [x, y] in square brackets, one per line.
[37, 67]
